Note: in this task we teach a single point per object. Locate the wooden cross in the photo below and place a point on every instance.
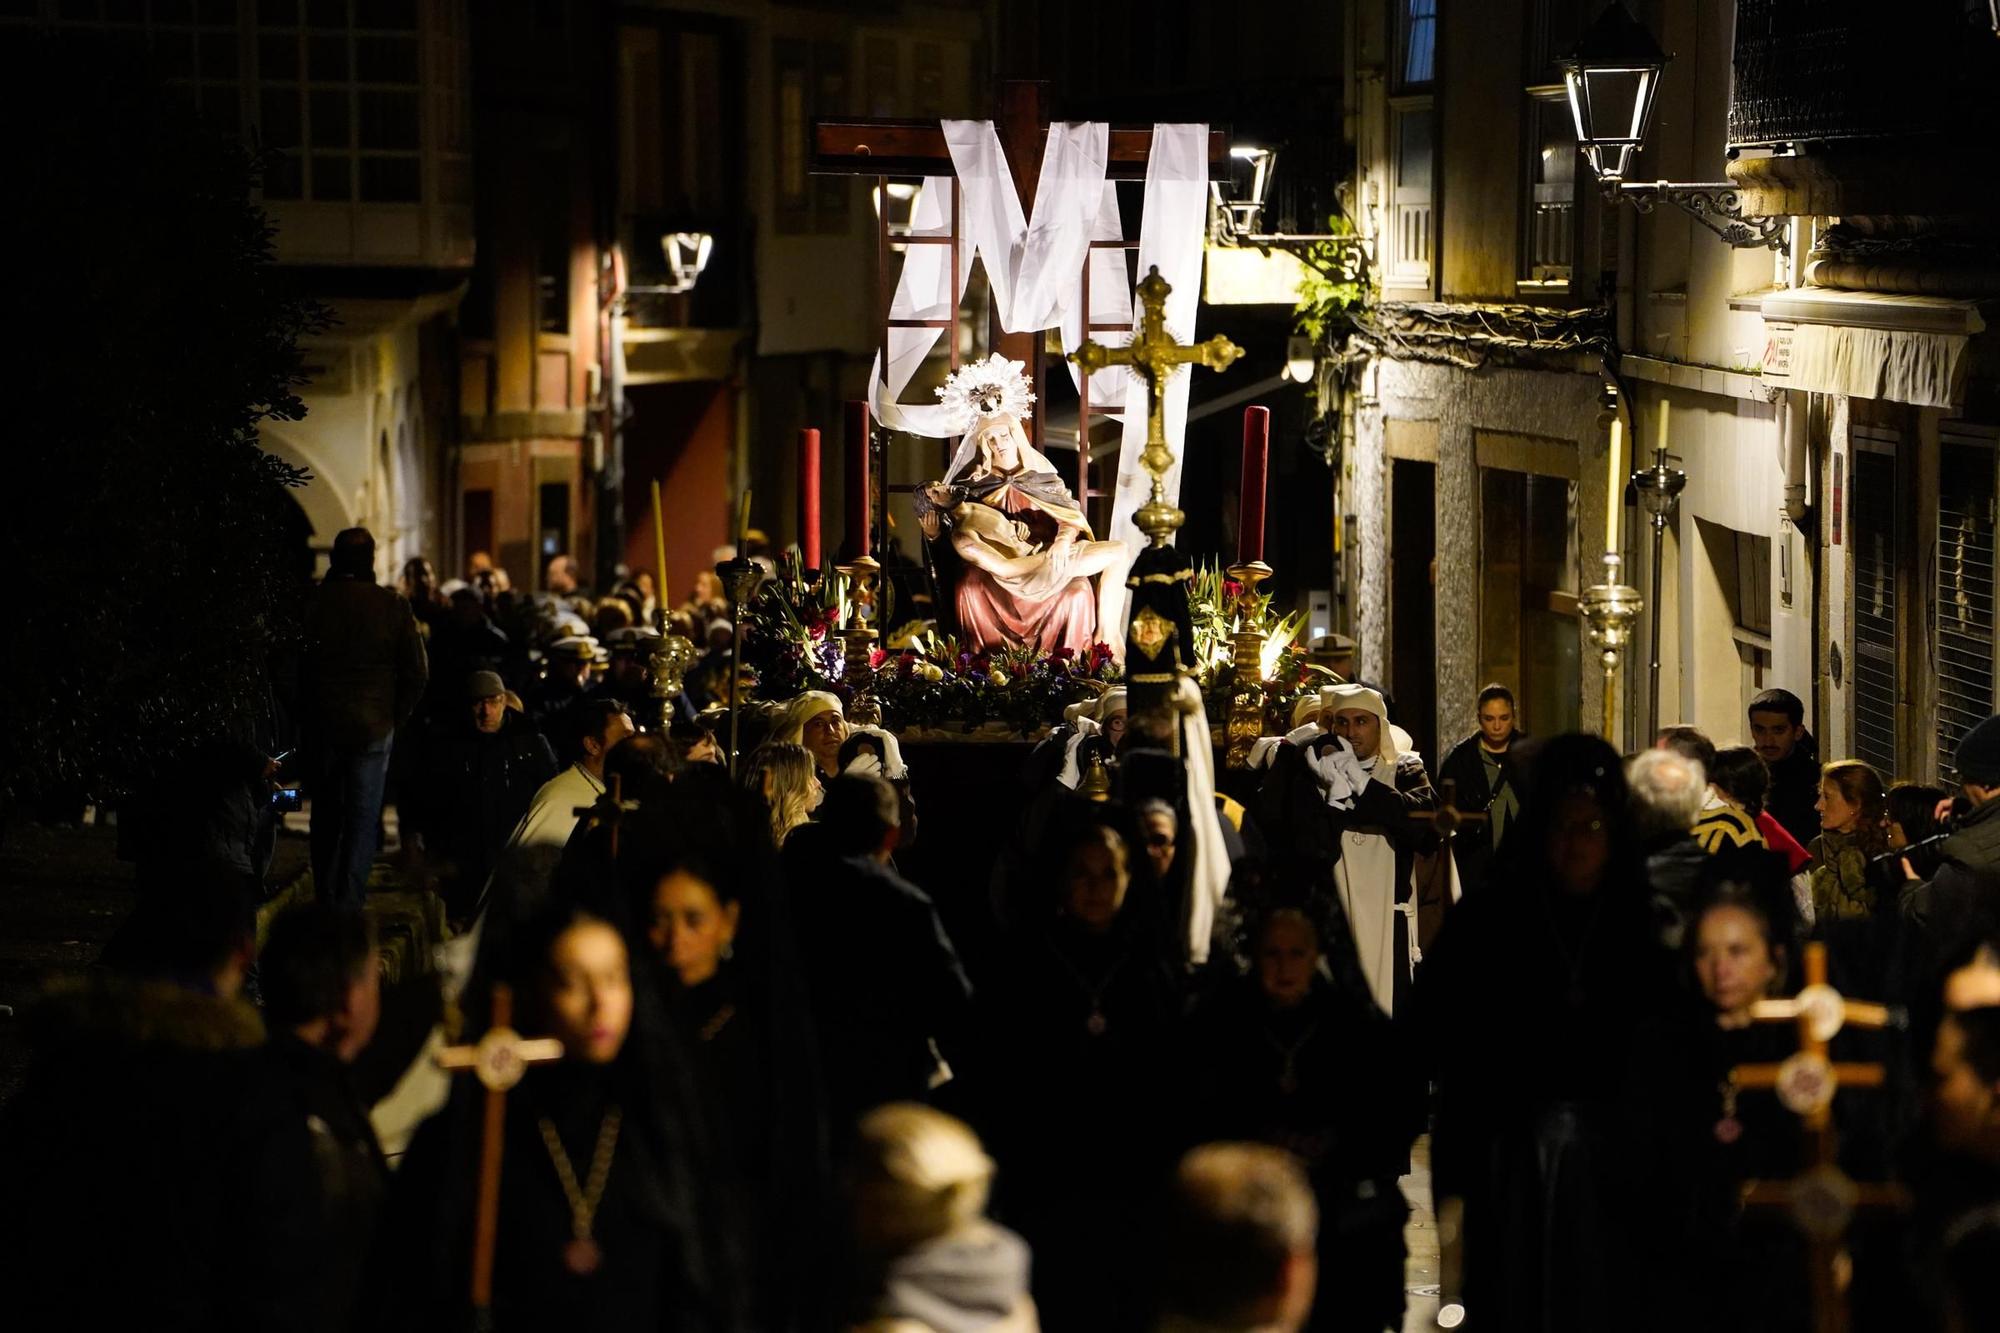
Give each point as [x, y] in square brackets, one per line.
[1446, 818]
[498, 1060]
[1822, 1199]
[610, 808]
[1153, 355]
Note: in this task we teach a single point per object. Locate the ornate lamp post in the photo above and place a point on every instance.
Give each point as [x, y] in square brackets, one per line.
[1613, 77]
[1659, 488]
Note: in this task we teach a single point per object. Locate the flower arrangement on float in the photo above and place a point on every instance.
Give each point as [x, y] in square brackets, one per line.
[1219, 611]
[922, 680]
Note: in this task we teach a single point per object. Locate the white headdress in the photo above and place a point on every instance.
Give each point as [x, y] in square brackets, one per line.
[964, 388]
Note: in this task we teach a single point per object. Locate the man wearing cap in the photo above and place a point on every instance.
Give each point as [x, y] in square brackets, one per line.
[482, 780]
[364, 671]
[1385, 784]
[567, 668]
[1962, 900]
[626, 679]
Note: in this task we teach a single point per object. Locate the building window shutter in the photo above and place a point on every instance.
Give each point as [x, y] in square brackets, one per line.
[1963, 604]
[1876, 558]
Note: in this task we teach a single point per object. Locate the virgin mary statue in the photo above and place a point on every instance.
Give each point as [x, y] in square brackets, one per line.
[1028, 550]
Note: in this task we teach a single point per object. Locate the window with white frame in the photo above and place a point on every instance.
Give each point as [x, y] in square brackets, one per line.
[1548, 226]
[1412, 154]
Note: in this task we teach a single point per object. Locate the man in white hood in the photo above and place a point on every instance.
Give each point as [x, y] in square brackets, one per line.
[1378, 788]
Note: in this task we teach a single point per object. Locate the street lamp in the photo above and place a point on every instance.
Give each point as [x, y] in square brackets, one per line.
[687, 255]
[1245, 216]
[1613, 77]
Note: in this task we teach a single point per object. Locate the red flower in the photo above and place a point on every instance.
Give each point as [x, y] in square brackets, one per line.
[1100, 653]
[876, 657]
[1231, 588]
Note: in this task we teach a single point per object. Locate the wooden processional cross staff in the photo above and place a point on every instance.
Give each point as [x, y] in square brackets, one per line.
[1822, 1200]
[498, 1060]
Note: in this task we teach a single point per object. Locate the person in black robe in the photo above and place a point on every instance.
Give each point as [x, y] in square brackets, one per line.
[604, 1222]
[1081, 1027]
[889, 997]
[701, 879]
[1739, 1270]
[1534, 1008]
[1299, 1057]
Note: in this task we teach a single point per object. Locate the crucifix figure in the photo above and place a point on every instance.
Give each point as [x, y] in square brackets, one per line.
[1159, 637]
[1153, 354]
[1822, 1200]
[498, 1060]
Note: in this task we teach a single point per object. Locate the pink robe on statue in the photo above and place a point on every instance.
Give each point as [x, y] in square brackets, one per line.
[990, 614]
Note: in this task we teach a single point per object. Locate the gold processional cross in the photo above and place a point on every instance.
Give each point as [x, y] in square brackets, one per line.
[499, 1060]
[1153, 355]
[1822, 1200]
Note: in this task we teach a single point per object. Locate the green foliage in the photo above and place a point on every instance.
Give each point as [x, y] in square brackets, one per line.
[148, 534]
[1337, 282]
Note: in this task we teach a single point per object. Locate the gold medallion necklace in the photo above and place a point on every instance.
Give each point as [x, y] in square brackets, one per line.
[582, 1255]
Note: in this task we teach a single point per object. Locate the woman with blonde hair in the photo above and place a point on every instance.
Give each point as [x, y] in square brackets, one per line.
[1853, 816]
[784, 774]
[919, 1181]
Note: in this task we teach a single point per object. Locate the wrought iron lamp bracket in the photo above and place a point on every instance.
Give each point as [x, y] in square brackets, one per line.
[1716, 205]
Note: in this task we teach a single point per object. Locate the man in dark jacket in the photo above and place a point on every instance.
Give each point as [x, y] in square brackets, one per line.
[322, 991]
[154, 1178]
[1779, 735]
[364, 673]
[1667, 789]
[1480, 769]
[885, 982]
[1962, 900]
[484, 777]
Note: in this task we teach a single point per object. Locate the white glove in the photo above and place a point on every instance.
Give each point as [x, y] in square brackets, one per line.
[891, 766]
[1333, 780]
[1341, 755]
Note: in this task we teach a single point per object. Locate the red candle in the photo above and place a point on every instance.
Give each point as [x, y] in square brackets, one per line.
[1250, 507]
[809, 498]
[857, 477]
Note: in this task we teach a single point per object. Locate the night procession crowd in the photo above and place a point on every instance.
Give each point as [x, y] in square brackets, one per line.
[789, 1097]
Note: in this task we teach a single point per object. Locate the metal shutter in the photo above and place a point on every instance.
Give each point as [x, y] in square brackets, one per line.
[1876, 558]
[1964, 592]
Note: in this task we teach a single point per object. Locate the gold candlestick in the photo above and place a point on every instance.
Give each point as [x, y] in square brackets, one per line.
[1246, 696]
[1611, 609]
[858, 638]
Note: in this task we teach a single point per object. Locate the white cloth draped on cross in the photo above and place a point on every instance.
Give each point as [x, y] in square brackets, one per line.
[1034, 266]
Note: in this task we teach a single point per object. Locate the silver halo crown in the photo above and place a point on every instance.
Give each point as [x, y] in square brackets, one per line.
[967, 391]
